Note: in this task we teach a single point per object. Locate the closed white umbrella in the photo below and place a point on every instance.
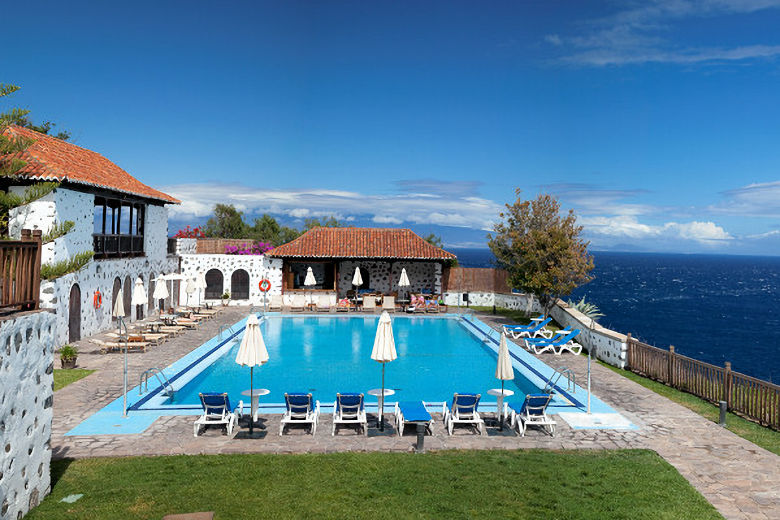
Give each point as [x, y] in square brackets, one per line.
[160, 289]
[200, 284]
[119, 312]
[403, 281]
[310, 281]
[504, 370]
[190, 288]
[357, 279]
[383, 352]
[252, 353]
[119, 308]
[139, 295]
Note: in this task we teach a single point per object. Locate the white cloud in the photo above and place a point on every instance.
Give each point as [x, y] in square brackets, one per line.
[627, 226]
[753, 200]
[641, 35]
[455, 207]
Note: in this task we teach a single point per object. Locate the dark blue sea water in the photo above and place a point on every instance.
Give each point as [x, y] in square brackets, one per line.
[715, 308]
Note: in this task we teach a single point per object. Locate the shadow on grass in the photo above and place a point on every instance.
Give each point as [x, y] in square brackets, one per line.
[58, 469]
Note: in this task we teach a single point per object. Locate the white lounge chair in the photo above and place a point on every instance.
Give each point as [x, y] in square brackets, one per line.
[298, 303]
[369, 303]
[323, 303]
[276, 303]
[216, 410]
[117, 346]
[563, 341]
[533, 330]
[413, 412]
[348, 409]
[388, 303]
[532, 412]
[300, 410]
[463, 411]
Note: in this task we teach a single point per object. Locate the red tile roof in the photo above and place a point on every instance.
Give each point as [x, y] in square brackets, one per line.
[52, 159]
[351, 242]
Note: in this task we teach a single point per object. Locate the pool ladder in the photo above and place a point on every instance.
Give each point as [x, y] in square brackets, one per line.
[143, 381]
[571, 381]
[224, 328]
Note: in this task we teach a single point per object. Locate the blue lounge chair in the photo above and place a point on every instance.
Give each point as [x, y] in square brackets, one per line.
[463, 411]
[217, 410]
[532, 411]
[412, 412]
[563, 341]
[348, 409]
[533, 330]
[300, 409]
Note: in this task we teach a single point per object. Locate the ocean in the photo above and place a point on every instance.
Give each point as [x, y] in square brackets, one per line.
[714, 308]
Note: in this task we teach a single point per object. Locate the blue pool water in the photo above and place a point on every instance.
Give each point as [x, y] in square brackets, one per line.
[325, 355]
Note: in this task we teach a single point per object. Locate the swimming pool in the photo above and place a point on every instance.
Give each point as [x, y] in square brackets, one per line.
[437, 355]
[324, 355]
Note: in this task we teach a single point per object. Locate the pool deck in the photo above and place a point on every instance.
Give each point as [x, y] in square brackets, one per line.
[739, 478]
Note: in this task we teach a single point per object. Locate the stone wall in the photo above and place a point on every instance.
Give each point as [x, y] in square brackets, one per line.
[258, 267]
[384, 276]
[26, 356]
[186, 246]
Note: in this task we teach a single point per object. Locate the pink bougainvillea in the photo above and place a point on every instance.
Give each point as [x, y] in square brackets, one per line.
[256, 248]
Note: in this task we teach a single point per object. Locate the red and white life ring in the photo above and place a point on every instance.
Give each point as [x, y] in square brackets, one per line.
[265, 285]
[97, 300]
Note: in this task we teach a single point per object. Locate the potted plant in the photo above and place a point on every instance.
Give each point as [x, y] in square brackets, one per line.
[68, 355]
[225, 298]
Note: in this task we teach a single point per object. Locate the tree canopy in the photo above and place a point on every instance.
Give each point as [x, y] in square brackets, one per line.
[228, 222]
[541, 249]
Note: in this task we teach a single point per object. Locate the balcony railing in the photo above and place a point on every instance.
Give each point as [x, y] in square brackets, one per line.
[110, 246]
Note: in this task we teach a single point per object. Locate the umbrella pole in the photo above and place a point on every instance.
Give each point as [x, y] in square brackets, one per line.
[382, 402]
[501, 415]
[251, 398]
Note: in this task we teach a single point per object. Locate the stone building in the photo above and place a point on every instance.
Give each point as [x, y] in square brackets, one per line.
[121, 219]
[381, 253]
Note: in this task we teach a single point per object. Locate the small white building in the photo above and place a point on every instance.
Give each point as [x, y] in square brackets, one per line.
[123, 221]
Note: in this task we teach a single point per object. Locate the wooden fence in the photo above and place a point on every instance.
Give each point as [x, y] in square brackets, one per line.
[20, 271]
[216, 246]
[474, 279]
[747, 396]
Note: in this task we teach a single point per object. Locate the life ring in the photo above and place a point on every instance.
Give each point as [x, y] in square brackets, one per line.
[97, 300]
[265, 285]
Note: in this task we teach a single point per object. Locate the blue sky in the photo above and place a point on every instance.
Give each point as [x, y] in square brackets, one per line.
[657, 122]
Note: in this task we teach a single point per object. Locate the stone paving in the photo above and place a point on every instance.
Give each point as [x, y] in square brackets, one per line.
[739, 478]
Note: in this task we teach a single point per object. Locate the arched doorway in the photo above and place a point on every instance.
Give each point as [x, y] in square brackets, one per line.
[239, 285]
[127, 297]
[74, 314]
[214, 283]
[115, 294]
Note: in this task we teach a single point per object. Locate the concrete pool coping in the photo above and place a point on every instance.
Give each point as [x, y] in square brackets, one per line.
[144, 409]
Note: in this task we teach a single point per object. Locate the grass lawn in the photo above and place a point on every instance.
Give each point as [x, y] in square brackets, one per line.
[63, 378]
[454, 484]
[765, 437]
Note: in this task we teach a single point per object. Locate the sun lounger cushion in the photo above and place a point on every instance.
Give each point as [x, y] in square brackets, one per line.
[414, 411]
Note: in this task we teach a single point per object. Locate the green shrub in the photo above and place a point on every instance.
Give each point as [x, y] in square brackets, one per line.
[58, 230]
[68, 352]
[63, 267]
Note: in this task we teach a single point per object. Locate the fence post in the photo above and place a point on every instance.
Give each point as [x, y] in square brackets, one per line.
[630, 352]
[727, 385]
[670, 368]
[36, 283]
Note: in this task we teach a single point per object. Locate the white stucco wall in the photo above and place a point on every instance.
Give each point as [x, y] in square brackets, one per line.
[56, 207]
[258, 267]
[186, 246]
[26, 356]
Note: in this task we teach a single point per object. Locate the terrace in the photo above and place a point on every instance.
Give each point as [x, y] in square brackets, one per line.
[704, 453]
